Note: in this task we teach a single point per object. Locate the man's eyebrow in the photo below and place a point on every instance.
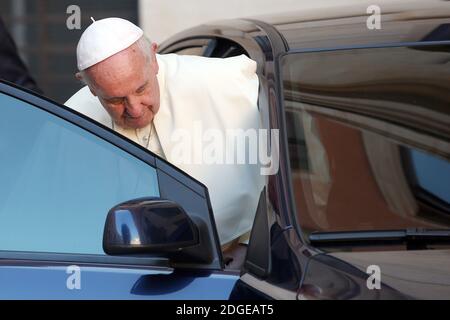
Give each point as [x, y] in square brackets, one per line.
[137, 90]
[142, 87]
[113, 98]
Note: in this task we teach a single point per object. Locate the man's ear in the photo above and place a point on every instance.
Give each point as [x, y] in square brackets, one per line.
[154, 47]
[79, 76]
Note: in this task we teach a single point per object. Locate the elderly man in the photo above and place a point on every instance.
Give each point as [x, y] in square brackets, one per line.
[159, 100]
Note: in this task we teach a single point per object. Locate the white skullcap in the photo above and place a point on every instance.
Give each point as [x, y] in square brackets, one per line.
[104, 38]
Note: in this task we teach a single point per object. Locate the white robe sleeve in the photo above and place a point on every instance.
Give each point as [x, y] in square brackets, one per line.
[217, 96]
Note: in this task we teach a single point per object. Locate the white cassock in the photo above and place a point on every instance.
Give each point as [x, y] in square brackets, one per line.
[204, 103]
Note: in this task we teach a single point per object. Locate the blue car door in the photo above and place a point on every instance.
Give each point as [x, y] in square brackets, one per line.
[61, 173]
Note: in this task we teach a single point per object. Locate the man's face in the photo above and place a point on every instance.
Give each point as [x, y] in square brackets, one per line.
[127, 86]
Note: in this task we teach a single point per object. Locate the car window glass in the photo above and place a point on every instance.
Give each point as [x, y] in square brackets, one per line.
[58, 182]
[367, 139]
[214, 48]
[191, 51]
[432, 174]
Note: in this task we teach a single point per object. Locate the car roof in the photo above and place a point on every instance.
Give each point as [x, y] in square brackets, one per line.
[345, 25]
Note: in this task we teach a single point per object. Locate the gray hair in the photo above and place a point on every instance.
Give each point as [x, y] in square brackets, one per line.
[145, 45]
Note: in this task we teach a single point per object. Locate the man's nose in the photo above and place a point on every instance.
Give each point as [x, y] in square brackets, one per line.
[133, 107]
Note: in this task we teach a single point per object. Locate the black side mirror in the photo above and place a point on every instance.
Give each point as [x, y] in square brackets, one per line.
[148, 225]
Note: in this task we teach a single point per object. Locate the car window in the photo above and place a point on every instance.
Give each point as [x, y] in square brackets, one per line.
[215, 48]
[368, 138]
[191, 51]
[431, 174]
[59, 181]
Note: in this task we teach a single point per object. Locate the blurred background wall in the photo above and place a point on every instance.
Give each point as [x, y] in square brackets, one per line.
[162, 18]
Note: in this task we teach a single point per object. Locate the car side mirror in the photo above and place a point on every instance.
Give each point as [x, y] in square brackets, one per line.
[154, 226]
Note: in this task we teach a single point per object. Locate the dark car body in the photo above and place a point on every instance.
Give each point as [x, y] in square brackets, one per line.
[363, 117]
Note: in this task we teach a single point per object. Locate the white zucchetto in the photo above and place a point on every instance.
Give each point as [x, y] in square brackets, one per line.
[104, 38]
